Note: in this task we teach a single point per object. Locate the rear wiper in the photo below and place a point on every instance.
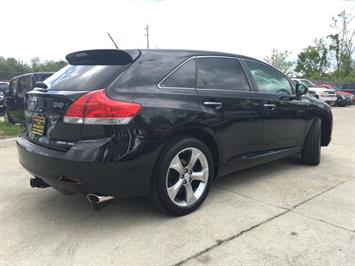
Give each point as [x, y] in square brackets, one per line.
[42, 85]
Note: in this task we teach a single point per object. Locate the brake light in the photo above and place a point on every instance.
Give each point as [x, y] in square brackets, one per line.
[95, 108]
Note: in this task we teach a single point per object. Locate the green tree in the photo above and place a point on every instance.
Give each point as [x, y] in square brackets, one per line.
[52, 66]
[278, 59]
[341, 47]
[36, 65]
[313, 61]
[10, 67]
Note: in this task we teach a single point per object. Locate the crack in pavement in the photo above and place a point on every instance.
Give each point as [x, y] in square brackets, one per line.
[248, 197]
[287, 210]
[321, 193]
[322, 221]
[229, 239]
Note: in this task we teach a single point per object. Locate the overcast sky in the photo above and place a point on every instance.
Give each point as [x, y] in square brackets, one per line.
[52, 29]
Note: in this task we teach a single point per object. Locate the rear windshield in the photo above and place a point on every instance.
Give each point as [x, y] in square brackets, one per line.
[83, 77]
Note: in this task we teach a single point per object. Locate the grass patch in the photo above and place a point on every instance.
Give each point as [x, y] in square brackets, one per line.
[8, 130]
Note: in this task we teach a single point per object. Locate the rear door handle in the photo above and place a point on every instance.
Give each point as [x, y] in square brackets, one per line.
[269, 106]
[216, 105]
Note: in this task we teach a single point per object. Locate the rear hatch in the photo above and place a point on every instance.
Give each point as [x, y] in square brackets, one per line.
[47, 104]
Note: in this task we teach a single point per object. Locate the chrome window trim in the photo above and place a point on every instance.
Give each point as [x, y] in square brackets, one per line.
[217, 56]
[241, 65]
[276, 70]
[173, 71]
[184, 62]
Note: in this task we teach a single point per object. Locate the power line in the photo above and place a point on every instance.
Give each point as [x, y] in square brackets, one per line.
[147, 35]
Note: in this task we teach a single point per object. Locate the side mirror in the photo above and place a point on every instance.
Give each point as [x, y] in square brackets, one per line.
[301, 89]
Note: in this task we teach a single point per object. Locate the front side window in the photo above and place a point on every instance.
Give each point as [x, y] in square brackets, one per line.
[221, 74]
[183, 77]
[307, 83]
[269, 80]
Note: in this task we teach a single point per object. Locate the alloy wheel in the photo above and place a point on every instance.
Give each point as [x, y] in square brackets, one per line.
[187, 177]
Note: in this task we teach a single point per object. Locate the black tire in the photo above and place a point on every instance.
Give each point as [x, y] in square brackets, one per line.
[340, 104]
[160, 194]
[312, 146]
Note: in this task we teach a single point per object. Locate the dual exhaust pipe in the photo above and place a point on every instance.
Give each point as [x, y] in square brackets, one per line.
[98, 199]
[94, 199]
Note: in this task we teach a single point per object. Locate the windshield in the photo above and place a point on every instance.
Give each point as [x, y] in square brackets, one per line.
[83, 77]
[306, 83]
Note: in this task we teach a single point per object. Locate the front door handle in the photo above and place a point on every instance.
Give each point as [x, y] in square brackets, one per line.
[216, 105]
[269, 106]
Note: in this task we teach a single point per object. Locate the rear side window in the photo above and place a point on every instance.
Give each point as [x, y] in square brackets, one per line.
[24, 85]
[221, 74]
[44, 77]
[183, 77]
[40, 77]
[84, 77]
[13, 86]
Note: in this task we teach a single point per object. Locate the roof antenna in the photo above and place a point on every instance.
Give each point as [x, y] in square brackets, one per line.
[112, 40]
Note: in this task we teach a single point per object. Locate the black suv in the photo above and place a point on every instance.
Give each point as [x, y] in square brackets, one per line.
[164, 123]
[14, 102]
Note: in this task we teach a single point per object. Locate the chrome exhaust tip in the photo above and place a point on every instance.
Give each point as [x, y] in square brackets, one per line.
[97, 199]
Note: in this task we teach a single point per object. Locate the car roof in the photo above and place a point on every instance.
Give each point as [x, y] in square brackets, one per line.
[116, 56]
[191, 52]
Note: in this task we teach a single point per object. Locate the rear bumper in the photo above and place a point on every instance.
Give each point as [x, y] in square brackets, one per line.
[79, 171]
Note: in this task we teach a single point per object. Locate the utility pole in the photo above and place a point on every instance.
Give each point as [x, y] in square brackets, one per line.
[147, 34]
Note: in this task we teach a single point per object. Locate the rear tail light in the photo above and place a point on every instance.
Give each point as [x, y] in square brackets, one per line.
[95, 108]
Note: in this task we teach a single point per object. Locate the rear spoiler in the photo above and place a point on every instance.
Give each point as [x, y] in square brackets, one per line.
[103, 57]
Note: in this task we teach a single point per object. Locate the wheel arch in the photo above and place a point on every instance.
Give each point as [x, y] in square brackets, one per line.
[326, 128]
[209, 140]
[203, 134]
[326, 118]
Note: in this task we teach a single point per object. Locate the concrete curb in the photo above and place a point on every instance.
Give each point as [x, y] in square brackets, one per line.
[4, 143]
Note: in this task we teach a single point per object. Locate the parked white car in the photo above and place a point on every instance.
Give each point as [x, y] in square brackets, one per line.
[323, 94]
